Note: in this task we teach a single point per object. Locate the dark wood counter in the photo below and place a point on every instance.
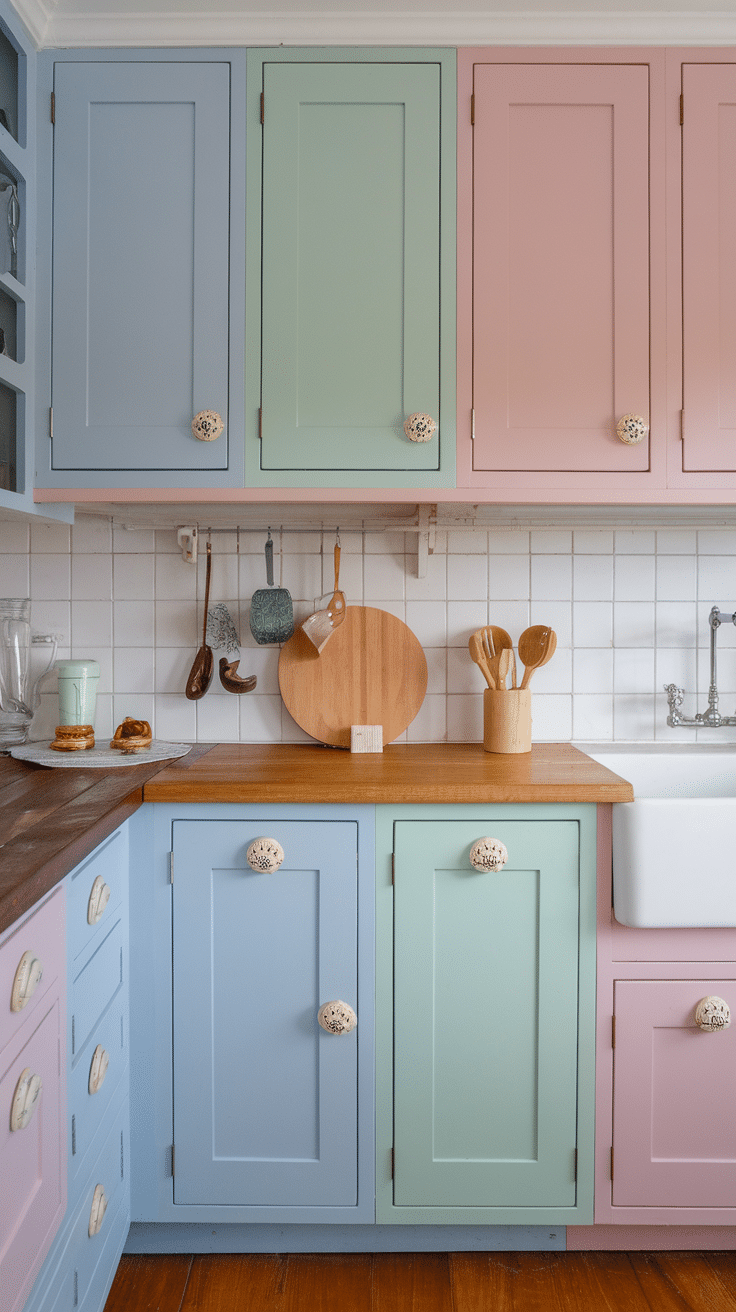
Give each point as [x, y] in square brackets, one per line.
[50, 820]
[422, 772]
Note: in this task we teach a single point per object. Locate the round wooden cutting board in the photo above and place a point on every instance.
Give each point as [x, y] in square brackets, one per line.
[371, 671]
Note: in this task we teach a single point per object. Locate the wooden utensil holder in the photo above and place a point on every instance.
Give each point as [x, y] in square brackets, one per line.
[507, 720]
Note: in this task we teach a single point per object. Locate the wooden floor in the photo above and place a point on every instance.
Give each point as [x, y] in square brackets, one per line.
[428, 1282]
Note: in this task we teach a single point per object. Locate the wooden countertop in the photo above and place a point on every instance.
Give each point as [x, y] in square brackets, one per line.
[422, 772]
[50, 820]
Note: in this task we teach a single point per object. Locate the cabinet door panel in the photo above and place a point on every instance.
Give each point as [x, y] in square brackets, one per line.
[709, 266]
[351, 265]
[265, 1102]
[561, 266]
[485, 1016]
[140, 307]
[674, 1133]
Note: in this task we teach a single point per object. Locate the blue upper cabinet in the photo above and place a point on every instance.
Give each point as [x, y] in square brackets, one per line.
[141, 273]
[350, 276]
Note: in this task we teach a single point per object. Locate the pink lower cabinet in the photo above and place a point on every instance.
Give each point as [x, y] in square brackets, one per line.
[674, 1131]
[32, 1097]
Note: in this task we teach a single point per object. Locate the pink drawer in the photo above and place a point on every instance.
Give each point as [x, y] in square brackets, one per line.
[42, 933]
[33, 1158]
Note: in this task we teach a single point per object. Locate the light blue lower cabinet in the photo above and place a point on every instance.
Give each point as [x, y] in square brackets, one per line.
[265, 1116]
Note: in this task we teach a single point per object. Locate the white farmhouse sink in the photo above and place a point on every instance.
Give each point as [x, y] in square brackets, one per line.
[674, 846]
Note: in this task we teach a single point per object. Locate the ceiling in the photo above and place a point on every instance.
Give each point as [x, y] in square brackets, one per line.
[98, 23]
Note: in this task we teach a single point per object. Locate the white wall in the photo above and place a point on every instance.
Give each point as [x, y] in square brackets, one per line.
[630, 609]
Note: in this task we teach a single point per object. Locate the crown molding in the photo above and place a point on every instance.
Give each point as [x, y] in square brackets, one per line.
[54, 28]
[35, 17]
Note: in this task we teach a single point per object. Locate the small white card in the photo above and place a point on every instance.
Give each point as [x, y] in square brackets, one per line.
[366, 737]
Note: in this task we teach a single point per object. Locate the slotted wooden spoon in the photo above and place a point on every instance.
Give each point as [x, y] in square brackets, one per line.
[480, 656]
[537, 645]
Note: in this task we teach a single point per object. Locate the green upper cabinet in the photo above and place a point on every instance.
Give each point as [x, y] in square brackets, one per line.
[350, 273]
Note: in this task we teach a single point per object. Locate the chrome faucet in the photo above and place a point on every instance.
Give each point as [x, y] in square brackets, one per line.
[712, 718]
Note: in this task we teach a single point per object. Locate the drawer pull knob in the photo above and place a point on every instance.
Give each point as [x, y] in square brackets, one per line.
[98, 1068]
[264, 855]
[207, 426]
[27, 979]
[337, 1017]
[488, 854]
[97, 1212]
[98, 900]
[712, 1014]
[25, 1099]
[419, 427]
[632, 429]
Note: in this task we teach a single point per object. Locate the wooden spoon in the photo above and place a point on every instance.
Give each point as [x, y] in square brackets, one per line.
[200, 675]
[480, 656]
[537, 645]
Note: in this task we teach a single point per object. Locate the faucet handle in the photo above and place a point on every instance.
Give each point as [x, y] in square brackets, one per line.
[675, 695]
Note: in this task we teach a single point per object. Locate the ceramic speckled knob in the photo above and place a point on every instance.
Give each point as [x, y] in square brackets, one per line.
[419, 428]
[207, 426]
[488, 854]
[632, 429]
[713, 1014]
[337, 1017]
[265, 855]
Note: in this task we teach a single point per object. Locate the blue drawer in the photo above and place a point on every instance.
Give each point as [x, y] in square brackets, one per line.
[109, 862]
[100, 978]
[87, 1111]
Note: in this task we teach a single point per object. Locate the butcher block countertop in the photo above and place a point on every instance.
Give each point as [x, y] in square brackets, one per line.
[50, 820]
[422, 772]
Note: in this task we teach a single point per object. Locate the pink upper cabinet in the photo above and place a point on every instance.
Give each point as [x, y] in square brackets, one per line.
[555, 277]
[709, 266]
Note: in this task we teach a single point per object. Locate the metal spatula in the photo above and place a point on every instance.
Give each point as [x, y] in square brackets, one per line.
[271, 609]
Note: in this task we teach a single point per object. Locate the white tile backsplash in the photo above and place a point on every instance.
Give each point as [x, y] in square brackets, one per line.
[630, 609]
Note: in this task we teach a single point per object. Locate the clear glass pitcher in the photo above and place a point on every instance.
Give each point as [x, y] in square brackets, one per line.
[19, 695]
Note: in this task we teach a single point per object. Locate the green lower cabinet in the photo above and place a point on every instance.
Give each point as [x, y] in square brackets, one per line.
[486, 996]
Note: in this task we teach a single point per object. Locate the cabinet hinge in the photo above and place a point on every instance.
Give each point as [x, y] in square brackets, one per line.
[472, 425]
[682, 110]
[74, 1135]
[51, 421]
[472, 110]
[260, 425]
[682, 425]
[392, 1163]
[75, 1299]
[611, 1161]
[73, 1035]
[173, 1155]
[393, 868]
[262, 106]
[574, 1163]
[53, 106]
[171, 867]
[613, 1031]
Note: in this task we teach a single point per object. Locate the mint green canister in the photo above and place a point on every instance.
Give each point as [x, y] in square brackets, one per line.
[77, 691]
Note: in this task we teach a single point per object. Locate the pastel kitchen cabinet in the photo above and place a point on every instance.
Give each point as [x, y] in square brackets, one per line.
[32, 1095]
[351, 248]
[140, 275]
[665, 1139]
[707, 84]
[560, 294]
[674, 1136]
[485, 1016]
[80, 1265]
[269, 1114]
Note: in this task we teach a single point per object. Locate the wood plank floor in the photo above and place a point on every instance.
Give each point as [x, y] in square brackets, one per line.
[427, 1282]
